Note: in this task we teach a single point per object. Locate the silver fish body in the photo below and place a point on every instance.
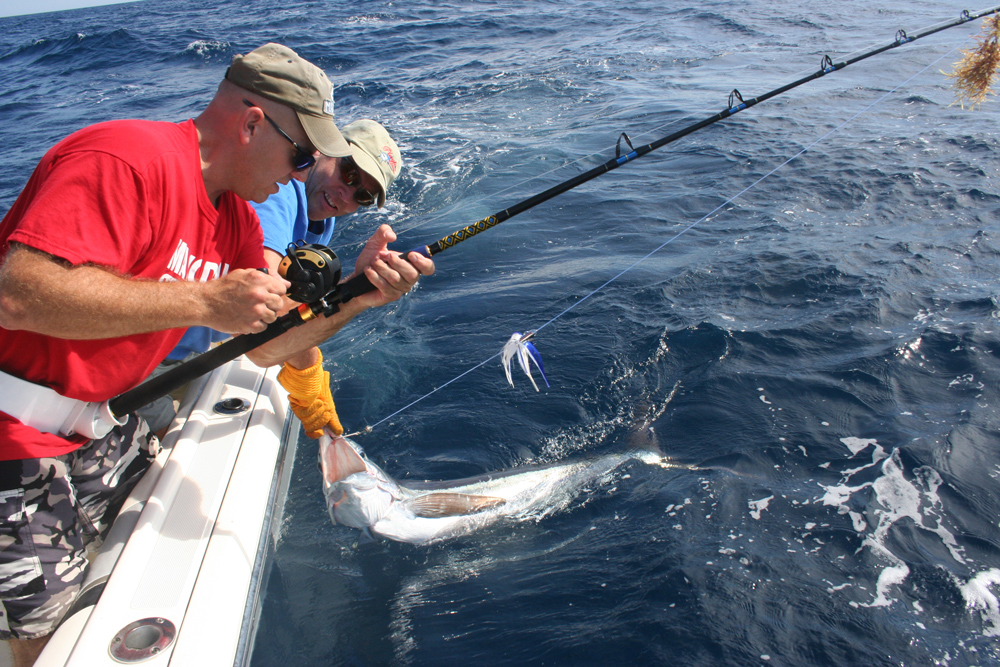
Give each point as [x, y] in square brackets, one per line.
[361, 495]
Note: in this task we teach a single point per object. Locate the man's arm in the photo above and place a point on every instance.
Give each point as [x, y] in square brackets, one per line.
[392, 277]
[41, 293]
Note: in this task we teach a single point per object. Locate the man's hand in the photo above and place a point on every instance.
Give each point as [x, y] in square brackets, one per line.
[244, 301]
[392, 277]
[391, 274]
[47, 295]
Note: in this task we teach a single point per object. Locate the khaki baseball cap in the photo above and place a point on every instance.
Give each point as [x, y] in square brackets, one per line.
[276, 72]
[375, 152]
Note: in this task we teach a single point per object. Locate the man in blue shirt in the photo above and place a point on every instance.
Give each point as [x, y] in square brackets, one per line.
[308, 211]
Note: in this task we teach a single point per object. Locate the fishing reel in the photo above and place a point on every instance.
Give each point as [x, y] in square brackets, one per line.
[312, 269]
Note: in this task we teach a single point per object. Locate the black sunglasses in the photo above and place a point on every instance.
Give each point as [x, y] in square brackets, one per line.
[351, 175]
[302, 159]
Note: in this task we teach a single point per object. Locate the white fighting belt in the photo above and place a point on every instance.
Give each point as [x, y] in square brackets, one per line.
[48, 411]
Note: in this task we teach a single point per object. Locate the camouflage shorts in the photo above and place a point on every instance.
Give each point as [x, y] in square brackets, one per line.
[50, 510]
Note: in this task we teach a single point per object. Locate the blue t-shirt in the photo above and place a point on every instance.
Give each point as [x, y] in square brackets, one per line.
[284, 219]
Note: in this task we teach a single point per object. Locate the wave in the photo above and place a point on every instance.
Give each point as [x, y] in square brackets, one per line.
[96, 49]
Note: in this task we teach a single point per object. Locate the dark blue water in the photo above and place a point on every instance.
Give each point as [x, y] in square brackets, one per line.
[825, 346]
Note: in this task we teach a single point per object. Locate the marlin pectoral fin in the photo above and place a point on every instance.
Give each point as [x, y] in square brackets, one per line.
[439, 505]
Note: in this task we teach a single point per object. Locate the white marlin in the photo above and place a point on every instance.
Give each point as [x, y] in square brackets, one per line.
[361, 495]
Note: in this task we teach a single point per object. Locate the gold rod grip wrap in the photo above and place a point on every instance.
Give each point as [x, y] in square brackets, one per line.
[310, 398]
[468, 232]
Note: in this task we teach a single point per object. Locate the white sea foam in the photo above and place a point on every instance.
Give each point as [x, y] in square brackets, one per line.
[917, 500]
[206, 47]
[979, 597]
[901, 496]
[857, 444]
[890, 576]
[758, 506]
[838, 495]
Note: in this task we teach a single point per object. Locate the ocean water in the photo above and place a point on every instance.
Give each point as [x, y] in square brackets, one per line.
[821, 342]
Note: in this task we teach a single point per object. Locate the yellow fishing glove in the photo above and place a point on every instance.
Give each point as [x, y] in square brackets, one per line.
[310, 397]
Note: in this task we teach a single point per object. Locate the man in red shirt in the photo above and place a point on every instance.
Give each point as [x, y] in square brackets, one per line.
[127, 233]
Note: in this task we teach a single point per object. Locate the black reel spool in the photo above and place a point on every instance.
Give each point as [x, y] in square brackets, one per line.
[312, 269]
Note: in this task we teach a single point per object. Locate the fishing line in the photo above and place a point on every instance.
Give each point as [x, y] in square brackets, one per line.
[531, 179]
[741, 193]
[685, 230]
[654, 131]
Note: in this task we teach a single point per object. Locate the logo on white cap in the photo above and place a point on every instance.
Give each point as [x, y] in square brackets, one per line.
[387, 157]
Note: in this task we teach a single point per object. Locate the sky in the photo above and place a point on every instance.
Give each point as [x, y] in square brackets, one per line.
[18, 7]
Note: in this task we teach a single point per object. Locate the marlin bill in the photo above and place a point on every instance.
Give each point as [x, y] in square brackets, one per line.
[361, 495]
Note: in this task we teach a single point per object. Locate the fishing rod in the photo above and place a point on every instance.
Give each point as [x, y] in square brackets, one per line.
[736, 105]
[314, 271]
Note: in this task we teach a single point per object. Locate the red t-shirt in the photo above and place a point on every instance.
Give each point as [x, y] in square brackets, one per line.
[129, 196]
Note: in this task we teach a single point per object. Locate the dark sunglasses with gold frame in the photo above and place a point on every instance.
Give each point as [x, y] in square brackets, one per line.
[302, 159]
[350, 173]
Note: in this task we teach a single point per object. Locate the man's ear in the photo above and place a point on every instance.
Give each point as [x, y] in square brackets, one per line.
[250, 120]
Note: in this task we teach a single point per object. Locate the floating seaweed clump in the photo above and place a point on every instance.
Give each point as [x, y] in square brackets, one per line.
[975, 72]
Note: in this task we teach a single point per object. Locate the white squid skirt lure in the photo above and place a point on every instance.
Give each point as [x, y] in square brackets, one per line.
[520, 347]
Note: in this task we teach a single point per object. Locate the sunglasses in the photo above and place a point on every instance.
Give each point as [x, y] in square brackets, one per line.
[302, 159]
[351, 176]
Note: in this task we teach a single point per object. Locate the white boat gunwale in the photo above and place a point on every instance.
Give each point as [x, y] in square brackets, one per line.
[255, 452]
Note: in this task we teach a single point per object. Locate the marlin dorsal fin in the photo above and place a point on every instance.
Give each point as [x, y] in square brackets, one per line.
[440, 505]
